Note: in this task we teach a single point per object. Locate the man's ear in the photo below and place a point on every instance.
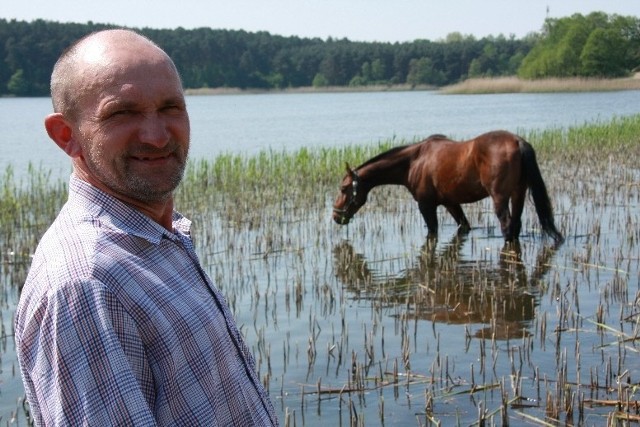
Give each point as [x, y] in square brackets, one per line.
[61, 133]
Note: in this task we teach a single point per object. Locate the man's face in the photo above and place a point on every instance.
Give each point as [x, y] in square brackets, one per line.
[133, 127]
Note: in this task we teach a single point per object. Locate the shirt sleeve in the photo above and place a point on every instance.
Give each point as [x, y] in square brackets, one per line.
[84, 361]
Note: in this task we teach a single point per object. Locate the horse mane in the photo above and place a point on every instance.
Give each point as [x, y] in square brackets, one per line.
[394, 150]
[384, 154]
[436, 136]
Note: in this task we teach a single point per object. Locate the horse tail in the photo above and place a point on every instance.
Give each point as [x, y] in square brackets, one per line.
[538, 191]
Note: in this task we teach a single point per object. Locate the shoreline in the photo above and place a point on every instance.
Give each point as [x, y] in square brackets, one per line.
[308, 89]
[513, 84]
[486, 85]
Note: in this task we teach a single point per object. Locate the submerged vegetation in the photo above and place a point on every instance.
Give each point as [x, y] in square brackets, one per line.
[374, 324]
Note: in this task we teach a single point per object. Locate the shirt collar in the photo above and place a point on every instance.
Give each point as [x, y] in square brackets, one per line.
[114, 213]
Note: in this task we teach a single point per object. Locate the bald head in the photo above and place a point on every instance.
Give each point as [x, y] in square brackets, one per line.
[83, 65]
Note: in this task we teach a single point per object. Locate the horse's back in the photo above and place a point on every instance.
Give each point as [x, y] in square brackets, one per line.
[445, 170]
[438, 146]
[497, 140]
[467, 171]
[496, 150]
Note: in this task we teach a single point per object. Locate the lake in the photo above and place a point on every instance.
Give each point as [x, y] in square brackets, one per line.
[409, 326]
[250, 123]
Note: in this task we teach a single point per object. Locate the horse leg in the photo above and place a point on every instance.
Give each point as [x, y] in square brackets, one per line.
[501, 208]
[430, 216]
[458, 214]
[517, 206]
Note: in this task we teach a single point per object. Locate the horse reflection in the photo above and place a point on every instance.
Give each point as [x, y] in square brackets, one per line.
[442, 287]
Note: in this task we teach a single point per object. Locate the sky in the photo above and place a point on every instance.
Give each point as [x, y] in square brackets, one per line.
[356, 20]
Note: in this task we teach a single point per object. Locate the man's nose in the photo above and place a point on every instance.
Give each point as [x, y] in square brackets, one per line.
[153, 130]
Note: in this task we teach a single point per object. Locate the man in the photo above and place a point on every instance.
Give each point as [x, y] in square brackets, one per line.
[117, 322]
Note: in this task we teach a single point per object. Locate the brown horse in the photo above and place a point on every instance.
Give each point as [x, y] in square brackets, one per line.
[438, 171]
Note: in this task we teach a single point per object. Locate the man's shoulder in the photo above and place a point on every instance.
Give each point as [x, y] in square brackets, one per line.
[73, 244]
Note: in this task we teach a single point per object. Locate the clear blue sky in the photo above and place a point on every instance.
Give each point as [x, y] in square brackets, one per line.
[357, 20]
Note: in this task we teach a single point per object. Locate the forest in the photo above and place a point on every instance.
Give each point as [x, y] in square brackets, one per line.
[596, 45]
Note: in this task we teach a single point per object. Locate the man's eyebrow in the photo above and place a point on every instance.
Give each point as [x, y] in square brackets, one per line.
[120, 104]
[174, 101]
[123, 104]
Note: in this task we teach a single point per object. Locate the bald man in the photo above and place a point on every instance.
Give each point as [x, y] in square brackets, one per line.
[118, 324]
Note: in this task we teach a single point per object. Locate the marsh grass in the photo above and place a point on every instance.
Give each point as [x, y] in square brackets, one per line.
[367, 338]
[28, 207]
[308, 175]
[374, 324]
[516, 85]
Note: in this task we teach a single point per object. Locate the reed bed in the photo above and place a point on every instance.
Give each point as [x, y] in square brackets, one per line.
[516, 85]
[374, 324]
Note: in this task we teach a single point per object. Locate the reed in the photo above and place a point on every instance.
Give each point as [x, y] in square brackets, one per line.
[516, 85]
[27, 208]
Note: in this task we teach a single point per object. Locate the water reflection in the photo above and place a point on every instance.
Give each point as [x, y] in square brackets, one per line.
[13, 271]
[441, 285]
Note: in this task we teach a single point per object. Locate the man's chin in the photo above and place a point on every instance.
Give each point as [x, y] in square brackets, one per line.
[153, 190]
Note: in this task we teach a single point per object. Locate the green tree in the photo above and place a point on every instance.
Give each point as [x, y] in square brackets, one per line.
[475, 68]
[566, 58]
[320, 81]
[18, 85]
[207, 57]
[604, 54]
[366, 75]
[595, 45]
[377, 70]
[422, 71]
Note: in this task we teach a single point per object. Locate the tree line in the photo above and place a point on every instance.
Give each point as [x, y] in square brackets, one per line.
[593, 45]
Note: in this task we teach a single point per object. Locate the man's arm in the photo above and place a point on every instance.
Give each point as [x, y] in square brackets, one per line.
[82, 360]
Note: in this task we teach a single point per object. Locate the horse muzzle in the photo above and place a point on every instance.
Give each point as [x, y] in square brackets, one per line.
[340, 216]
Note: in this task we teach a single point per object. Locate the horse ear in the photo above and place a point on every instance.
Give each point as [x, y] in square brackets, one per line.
[347, 167]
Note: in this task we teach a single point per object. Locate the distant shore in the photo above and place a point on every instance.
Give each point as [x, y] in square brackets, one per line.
[470, 86]
[309, 89]
[516, 85]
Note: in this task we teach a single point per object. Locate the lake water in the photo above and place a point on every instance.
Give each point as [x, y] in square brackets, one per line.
[332, 265]
[253, 122]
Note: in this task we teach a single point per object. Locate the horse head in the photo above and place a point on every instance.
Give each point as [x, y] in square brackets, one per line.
[350, 199]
